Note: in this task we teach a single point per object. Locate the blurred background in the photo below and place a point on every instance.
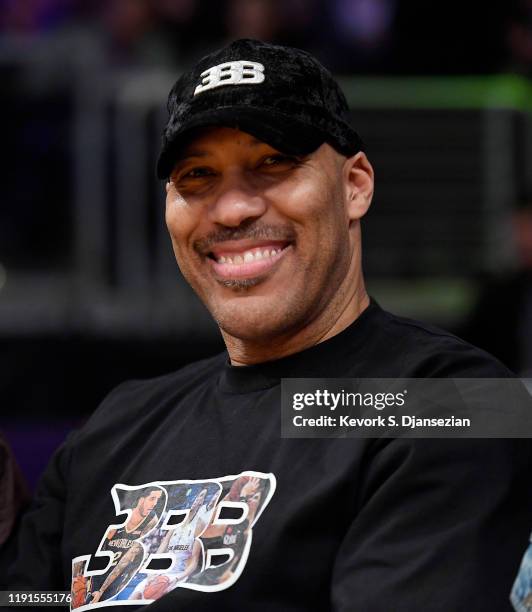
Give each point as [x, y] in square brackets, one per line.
[90, 294]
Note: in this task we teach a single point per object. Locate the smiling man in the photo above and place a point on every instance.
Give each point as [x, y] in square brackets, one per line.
[266, 185]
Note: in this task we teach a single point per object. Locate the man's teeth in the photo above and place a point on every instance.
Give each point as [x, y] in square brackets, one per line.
[249, 256]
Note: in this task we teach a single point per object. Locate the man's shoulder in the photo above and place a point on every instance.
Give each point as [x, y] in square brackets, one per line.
[141, 395]
[425, 350]
[190, 375]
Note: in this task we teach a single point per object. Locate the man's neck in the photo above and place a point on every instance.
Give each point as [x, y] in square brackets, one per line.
[328, 324]
[136, 518]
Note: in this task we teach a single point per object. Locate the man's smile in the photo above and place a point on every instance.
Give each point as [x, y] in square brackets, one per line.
[246, 259]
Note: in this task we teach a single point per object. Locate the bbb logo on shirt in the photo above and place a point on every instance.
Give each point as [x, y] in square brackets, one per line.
[193, 534]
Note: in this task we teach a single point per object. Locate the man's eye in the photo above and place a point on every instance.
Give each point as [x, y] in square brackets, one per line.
[196, 173]
[279, 160]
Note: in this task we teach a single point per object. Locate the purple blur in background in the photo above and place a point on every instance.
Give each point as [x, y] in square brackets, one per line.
[34, 444]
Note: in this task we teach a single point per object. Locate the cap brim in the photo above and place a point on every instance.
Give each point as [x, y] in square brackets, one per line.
[279, 131]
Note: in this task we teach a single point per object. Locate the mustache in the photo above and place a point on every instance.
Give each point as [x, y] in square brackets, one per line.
[244, 231]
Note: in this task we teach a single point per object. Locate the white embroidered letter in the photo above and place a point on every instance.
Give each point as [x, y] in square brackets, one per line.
[231, 73]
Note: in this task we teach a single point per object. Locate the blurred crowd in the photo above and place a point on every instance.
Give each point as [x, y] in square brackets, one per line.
[364, 36]
[501, 320]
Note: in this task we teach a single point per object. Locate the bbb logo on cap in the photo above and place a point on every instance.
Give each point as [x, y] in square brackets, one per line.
[231, 73]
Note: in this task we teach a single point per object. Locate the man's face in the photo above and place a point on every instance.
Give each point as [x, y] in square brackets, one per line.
[263, 238]
[148, 503]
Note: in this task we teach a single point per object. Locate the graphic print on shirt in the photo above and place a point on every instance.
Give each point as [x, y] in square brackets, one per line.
[193, 534]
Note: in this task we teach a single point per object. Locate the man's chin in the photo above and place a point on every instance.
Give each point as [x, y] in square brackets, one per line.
[256, 326]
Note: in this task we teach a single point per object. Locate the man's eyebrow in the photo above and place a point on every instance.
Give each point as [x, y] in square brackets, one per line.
[190, 154]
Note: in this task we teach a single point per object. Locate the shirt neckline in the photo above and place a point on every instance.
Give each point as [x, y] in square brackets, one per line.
[323, 359]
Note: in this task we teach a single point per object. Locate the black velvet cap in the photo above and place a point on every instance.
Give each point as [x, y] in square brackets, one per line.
[281, 95]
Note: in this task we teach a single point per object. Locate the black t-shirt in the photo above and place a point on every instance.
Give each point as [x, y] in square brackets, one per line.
[369, 525]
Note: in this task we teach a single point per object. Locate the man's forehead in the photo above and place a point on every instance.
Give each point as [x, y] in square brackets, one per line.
[151, 494]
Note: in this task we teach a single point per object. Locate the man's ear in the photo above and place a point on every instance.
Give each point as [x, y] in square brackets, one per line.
[358, 181]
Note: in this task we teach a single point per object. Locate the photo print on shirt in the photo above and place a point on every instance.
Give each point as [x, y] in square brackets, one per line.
[193, 534]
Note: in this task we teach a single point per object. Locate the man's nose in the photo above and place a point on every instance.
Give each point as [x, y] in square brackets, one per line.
[237, 201]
